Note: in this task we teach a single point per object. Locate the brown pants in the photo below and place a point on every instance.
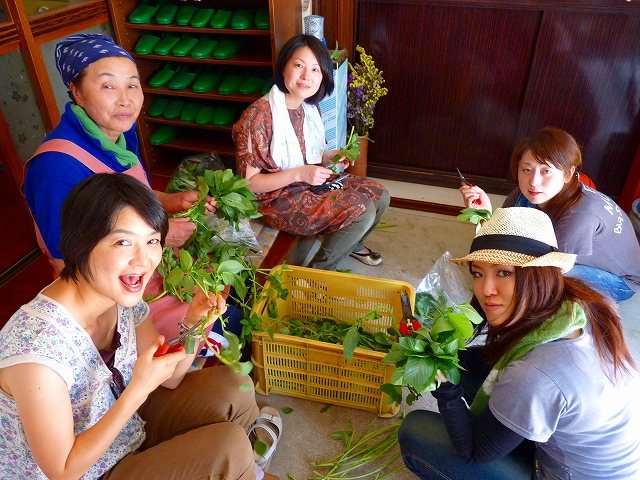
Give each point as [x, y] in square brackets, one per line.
[195, 432]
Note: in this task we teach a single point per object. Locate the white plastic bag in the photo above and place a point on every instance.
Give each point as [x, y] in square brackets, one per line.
[243, 236]
[448, 279]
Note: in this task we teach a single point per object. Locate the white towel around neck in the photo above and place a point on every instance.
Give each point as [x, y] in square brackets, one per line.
[285, 148]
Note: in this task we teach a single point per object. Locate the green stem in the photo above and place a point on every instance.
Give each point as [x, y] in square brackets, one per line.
[164, 292]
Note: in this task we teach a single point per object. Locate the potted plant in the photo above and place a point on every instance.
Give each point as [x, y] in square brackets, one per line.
[365, 88]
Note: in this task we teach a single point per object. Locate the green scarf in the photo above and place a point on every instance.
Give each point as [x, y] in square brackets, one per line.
[125, 157]
[569, 318]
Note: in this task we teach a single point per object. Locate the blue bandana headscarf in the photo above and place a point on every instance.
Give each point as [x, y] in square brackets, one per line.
[77, 52]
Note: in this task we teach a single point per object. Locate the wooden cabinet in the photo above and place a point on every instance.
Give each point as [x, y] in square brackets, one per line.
[258, 53]
[475, 76]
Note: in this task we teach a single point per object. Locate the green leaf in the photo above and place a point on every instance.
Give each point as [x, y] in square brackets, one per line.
[231, 266]
[243, 368]
[351, 340]
[395, 355]
[190, 344]
[410, 344]
[394, 393]
[260, 448]
[175, 277]
[186, 260]
[442, 324]
[325, 408]
[287, 410]
[462, 323]
[418, 371]
[470, 313]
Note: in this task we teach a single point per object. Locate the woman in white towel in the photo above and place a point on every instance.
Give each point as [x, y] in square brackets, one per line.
[280, 147]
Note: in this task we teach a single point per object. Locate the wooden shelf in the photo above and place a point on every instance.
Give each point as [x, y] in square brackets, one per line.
[257, 55]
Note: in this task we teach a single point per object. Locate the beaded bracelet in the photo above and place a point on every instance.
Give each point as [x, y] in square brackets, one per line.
[183, 328]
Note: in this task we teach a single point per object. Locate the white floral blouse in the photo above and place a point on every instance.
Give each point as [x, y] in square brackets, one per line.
[43, 332]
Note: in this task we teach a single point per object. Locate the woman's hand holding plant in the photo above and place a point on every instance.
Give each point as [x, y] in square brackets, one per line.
[179, 202]
[211, 305]
[180, 231]
[313, 174]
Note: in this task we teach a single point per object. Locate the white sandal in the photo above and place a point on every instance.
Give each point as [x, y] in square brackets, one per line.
[268, 429]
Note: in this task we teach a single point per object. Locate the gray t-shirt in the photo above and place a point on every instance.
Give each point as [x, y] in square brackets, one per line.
[599, 232]
[585, 425]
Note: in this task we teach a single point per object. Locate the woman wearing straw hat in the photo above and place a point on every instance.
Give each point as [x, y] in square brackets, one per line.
[553, 392]
[587, 222]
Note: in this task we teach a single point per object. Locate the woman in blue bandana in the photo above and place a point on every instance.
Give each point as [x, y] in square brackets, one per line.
[96, 134]
[552, 392]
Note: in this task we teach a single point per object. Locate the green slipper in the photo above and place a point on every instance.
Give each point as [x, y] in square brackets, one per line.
[224, 116]
[262, 19]
[189, 112]
[230, 84]
[163, 75]
[144, 12]
[185, 77]
[221, 19]
[242, 19]
[251, 84]
[202, 17]
[166, 14]
[205, 115]
[185, 14]
[207, 80]
[158, 106]
[227, 48]
[268, 83]
[173, 109]
[166, 43]
[184, 46]
[164, 134]
[145, 44]
[204, 48]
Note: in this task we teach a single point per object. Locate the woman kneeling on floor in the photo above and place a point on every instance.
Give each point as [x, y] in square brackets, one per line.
[280, 141]
[554, 390]
[82, 394]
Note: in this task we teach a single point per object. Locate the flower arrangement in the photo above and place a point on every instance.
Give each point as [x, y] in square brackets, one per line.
[363, 92]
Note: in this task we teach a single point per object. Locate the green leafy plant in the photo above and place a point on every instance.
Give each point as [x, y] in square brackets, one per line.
[419, 354]
[350, 151]
[376, 449]
[330, 330]
[207, 266]
[474, 215]
[234, 200]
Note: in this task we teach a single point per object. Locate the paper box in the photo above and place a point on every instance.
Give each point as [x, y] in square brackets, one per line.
[333, 107]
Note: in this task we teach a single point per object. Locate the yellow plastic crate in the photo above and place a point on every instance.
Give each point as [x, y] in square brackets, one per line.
[319, 371]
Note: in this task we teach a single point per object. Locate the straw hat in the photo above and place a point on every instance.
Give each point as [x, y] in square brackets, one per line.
[519, 236]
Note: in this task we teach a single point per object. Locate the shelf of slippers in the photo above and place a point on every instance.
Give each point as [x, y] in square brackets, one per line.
[201, 64]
